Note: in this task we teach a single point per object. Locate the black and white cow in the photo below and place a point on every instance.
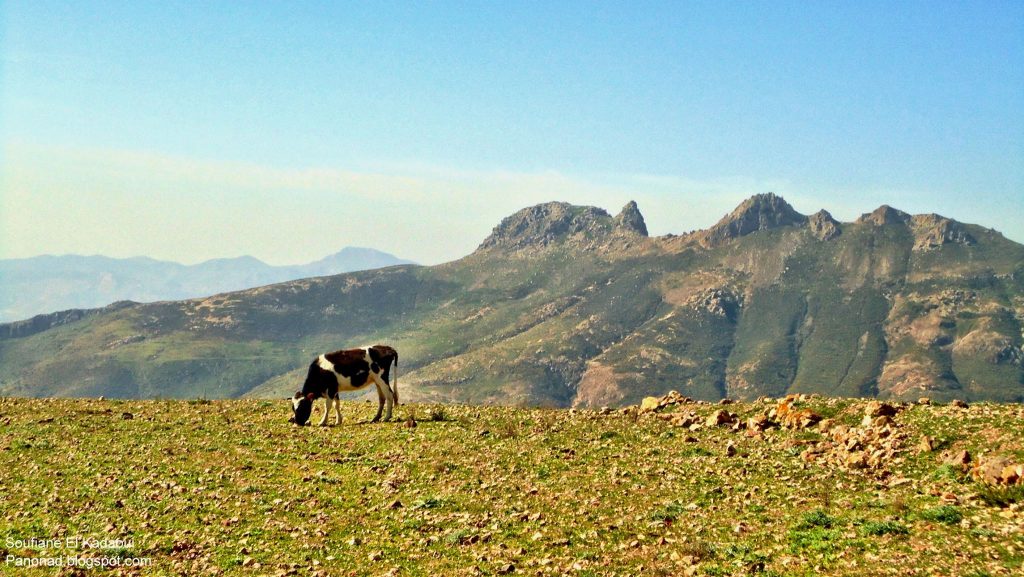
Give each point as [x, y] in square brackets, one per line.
[347, 370]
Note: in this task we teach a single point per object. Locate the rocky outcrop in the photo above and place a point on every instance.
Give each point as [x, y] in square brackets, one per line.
[760, 212]
[630, 220]
[931, 231]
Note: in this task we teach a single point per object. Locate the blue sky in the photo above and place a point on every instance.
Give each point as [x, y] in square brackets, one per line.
[286, 130]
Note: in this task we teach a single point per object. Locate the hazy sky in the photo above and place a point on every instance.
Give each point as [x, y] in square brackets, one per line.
[287, 130]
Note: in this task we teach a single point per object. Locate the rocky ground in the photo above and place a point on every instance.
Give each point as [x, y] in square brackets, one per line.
[797, 486]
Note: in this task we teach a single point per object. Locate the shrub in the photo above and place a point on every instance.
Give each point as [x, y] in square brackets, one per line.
[879, 528]
[816, 518]
[947, 514]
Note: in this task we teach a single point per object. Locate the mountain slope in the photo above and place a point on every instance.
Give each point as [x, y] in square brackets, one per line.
[45, 284]
[564, 305]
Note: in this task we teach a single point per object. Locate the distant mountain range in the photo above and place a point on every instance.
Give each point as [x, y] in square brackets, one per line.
[568, 305]
[46, 284]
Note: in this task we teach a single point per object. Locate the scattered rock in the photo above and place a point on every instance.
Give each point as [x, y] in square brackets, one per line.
[959, 404]
[730, 449]
[924, 401]
[791, 417]
[127, 416]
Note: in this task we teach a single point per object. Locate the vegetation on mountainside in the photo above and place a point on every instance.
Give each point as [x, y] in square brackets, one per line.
[569, 306]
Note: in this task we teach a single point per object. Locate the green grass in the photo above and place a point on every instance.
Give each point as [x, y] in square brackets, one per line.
[948, 514]
[880, 528]
[229, 485]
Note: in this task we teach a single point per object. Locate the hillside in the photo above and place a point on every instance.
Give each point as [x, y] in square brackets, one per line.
[570, 306]
[229, 487]
[44, 284]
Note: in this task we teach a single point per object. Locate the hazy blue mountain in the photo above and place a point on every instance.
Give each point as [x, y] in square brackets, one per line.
[46, 284]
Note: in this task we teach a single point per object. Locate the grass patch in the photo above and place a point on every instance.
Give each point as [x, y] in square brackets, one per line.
[816, 518]
[948, 514]
[880, 528]
[1000, 496]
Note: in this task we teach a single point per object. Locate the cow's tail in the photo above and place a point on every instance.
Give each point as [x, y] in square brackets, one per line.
[394, 380]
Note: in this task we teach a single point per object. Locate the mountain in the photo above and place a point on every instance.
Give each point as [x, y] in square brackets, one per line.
[44, 284]
[566, 305]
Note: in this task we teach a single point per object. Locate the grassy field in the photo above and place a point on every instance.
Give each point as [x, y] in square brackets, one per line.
[229, 487]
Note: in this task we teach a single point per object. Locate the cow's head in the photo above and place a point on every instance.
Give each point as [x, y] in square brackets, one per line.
[302, 408]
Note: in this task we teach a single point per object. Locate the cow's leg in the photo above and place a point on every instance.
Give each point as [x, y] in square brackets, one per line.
[327, 410]
[337, 410]
[380, 404]
[385, 390]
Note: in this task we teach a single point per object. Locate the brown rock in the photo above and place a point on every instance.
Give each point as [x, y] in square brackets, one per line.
[924, 401]
[720, 417]
[958, 459]
[759, 423]
[997, 470]
[1012, 475]
[649, 404]
[959, 404]
[879, 409]
[857, 460]
[927, 445]
[730, 449]
[680, 420]
[881, 421]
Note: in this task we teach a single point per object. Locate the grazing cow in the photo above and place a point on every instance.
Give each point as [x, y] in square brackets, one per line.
[347, 370]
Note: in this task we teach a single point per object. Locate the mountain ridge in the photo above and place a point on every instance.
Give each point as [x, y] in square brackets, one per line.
[570, 306]
[48, 283]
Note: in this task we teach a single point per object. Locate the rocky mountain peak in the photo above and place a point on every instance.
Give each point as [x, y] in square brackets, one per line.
[630, 219]
[823, 226]
[540, 225]
[759, 212]
[884, 215]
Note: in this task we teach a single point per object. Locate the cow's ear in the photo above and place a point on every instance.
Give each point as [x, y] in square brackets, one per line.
[298, 395]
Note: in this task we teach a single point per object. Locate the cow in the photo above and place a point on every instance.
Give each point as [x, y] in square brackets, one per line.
[347, 370]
